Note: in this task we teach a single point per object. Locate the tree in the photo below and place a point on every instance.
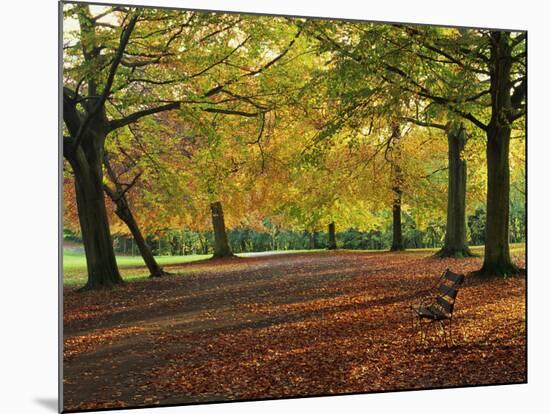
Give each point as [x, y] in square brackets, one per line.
[221, 246]
[332, 236]
[395, 159]
[455, 231]
[109, 70]
[84, 148]
[118, 196]
[506, 107]
[449, 69]
[506, 94]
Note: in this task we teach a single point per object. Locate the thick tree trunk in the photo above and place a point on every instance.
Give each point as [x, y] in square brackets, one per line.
[497, 251]
[221, 246]
[397, 237]
[125, 214]
[455, 234]
[87, 164]
[332, 236]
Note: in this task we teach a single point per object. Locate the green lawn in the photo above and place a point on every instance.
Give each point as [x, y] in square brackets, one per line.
[133, 267]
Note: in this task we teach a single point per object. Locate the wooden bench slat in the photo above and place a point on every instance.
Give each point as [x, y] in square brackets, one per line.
[453, 277]
[448, 306]
[448, 291]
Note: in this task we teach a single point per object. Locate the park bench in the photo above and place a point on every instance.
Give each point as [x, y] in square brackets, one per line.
[439, 309]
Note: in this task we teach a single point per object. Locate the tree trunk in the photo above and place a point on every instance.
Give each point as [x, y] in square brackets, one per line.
[397, 237]
[497, 251]
[203, 243]
[332, 236]
[125, 214]
[397, 187]
[455, 234]
[312, 244]
[221, 246]
[87, 165]
[122, 210]
[497, 259]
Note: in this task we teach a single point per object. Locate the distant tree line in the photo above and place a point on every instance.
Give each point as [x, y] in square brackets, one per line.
[244, 240]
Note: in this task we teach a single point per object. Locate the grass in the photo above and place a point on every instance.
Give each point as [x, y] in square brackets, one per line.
[77, 261]
[133, 267]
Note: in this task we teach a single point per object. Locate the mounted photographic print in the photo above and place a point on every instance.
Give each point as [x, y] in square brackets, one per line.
[263, 207]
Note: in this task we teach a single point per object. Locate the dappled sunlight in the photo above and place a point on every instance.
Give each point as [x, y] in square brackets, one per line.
[340, 324]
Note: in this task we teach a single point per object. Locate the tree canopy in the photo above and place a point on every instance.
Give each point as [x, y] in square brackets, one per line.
[290, 124]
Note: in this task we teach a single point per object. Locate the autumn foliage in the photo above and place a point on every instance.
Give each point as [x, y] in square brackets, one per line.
[180, 122]
[299, 324]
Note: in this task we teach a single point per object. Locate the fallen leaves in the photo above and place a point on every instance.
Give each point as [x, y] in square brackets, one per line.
[74, 345]
[311, 324]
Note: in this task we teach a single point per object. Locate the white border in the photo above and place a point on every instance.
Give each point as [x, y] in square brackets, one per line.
[29, 204]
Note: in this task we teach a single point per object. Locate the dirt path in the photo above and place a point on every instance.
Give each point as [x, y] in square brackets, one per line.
[283, 325]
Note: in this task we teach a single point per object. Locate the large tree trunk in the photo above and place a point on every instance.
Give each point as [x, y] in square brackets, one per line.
[221, 246]
[125, 214]
[332, 236]
[397, 237]
[497, 251]
[455, 235]
[87, 165]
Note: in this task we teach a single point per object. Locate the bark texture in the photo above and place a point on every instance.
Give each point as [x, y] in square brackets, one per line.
[122, 210]
[455, 234]
[221, 245]
[87, 163]
[497, 259]
[397, 236]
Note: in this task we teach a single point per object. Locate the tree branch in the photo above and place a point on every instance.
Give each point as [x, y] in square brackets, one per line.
[124, 38]
[118, 123]
[424, 124]
[128, 186]
[110, 192]
[71, 117]
[518, 39]
[221, 60]
[519, 94]
[232, 112]
[219, 88]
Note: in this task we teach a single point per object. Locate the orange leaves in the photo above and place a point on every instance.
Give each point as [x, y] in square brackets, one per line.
[288, 325]
[87, 342]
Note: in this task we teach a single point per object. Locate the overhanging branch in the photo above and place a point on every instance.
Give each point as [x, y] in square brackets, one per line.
[424, 124]
[232, 112]
[124, 38]
[119, 123]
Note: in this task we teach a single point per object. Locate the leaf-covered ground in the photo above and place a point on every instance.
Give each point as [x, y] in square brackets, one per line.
[300, 324]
